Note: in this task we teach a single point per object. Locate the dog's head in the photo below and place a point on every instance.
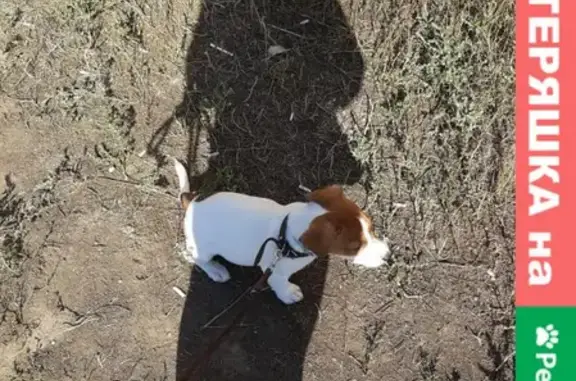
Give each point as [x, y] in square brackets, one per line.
[345, 230]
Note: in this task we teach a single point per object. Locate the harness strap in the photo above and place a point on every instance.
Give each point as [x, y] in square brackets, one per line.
[286, 251]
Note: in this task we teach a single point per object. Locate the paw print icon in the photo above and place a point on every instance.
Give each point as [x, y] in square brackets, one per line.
[547, 336]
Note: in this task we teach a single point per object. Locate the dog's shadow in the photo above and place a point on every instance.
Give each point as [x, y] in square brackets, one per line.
[264, 82]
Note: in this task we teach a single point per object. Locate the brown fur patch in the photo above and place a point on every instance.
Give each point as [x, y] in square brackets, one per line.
[185, 199]
[339, 231]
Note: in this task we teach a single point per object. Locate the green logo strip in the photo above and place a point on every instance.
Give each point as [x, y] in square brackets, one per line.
[545, 337]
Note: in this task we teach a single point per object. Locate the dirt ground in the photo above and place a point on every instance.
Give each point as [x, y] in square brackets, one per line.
[406, 103]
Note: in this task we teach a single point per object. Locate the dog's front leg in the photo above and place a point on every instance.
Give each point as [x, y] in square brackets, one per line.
[279, 281]
[285, 290]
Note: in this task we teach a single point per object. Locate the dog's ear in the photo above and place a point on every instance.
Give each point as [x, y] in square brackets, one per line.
[333, 233]
[327, 197]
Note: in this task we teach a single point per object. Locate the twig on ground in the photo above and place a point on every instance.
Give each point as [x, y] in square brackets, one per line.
[179, 292]
[506, 359]
[221, 50]
[140, 186]
[304, 189]
[286, 31]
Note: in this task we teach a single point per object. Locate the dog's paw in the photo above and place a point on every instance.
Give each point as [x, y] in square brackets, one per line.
[216, 271]
[291, 294]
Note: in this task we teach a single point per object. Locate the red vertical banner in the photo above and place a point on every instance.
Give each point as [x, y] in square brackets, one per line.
[546, 153]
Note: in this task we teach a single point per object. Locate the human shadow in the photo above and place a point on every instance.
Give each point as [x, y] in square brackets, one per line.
[265, 80]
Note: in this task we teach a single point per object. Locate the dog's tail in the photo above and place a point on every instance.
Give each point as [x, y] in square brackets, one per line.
[186, 196]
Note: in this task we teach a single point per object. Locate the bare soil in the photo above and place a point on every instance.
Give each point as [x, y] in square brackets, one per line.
[407, 104]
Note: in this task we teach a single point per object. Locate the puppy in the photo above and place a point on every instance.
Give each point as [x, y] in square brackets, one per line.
[242, 230]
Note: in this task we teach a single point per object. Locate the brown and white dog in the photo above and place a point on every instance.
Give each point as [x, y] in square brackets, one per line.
[235, 226]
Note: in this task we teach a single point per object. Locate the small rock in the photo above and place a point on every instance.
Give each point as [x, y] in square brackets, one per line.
[275, 50]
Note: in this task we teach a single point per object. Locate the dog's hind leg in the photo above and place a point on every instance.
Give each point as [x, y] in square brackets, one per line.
[215, 271]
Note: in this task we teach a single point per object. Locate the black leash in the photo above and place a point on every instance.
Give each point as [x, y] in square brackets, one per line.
[284, 251]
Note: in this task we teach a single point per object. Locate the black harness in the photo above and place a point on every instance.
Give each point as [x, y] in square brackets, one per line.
[284, 248]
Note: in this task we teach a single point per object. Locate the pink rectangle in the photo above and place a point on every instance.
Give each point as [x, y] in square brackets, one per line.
[545, 277]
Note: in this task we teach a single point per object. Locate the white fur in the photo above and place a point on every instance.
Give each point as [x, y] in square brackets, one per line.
[374, 253]
[235, 225]
[183, 180]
